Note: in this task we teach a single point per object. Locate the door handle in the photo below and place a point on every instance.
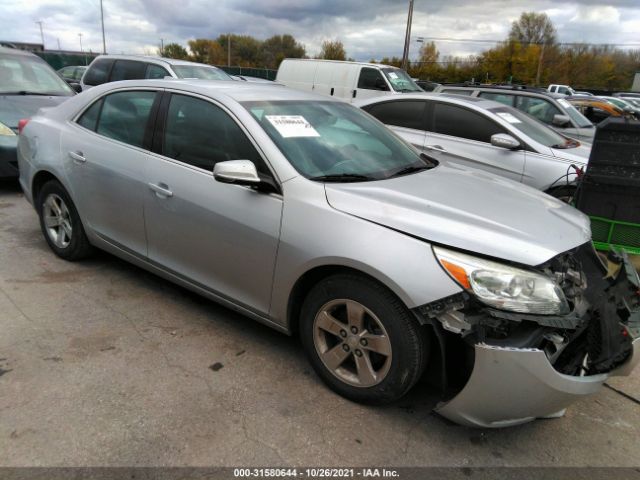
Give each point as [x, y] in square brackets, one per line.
[77, 156]
[436, 148]
[162, 190]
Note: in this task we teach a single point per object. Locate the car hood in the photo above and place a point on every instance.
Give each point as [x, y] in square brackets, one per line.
[469, 210]
[578, 154]
[13, 108]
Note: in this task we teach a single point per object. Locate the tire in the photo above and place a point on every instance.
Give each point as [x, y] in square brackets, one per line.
[61, 224]
[565, 194]
[396, 363]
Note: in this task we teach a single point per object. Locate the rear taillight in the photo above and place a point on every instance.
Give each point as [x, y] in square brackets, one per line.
[22, 123]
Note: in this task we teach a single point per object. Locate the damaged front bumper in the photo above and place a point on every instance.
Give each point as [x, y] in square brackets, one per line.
[510, 386]
[516, 381]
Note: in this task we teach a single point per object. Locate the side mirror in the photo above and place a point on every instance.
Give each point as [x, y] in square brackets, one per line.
[503, 140]
[561, 120]
[75, 86]
[238, 172]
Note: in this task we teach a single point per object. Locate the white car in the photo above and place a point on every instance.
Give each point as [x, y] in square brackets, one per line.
[486, 135]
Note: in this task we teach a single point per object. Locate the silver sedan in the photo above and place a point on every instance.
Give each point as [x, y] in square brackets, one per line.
[310, 216]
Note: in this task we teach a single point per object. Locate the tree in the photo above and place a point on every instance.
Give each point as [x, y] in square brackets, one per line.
[275, 49]
[174, 50]
[427, 67]
[245, 50]
[332, 50]
[533, 28]
[204, 50]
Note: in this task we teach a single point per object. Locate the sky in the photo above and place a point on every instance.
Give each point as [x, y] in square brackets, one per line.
[368, 28]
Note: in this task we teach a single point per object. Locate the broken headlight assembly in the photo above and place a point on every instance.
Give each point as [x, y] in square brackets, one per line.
[502, 286]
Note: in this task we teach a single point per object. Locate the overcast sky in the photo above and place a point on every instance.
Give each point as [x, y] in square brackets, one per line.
[368, 28]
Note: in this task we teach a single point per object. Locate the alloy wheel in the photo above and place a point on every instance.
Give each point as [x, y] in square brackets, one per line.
[57, 220]
[352, 343]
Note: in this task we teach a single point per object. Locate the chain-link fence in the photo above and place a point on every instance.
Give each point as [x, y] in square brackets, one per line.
[57, 60]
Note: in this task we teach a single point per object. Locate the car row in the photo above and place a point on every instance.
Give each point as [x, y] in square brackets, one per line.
[307, 214]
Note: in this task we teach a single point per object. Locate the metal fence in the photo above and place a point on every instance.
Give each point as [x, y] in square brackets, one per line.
[250, 71]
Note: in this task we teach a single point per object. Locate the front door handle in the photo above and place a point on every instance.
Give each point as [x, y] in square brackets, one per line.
[436, 148]
[77, 156]
[162, 190]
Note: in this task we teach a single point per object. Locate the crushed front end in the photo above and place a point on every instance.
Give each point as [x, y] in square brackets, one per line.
[501, 367]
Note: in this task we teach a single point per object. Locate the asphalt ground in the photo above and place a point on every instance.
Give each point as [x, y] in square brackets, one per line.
[104, 364]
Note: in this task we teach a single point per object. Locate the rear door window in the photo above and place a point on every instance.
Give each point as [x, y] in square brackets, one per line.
[460, 122]
[98, 72]
[498, 97]
[402, 113]
[127, 70]
[124, 116]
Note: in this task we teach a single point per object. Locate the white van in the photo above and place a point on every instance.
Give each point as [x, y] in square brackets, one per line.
[346, 80]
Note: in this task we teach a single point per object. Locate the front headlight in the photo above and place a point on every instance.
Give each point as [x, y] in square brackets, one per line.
[502, 286]
[6, 131]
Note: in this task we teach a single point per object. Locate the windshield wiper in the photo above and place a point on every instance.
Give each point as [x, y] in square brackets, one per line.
[343, 177]
[26, 92]
[410, 169]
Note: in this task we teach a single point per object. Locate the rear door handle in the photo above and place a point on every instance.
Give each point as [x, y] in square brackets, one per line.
[162, 190]
[77, 156]
[436, 148]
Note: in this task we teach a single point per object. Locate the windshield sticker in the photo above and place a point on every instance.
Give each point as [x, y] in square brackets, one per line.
[508, 117]
[564, 103]
[393, 75]
[292, 126]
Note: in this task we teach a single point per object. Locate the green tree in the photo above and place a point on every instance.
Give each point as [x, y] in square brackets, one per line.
[533, 28]
[174, 50]
[332, 50]
[245, 50]
[275, 49]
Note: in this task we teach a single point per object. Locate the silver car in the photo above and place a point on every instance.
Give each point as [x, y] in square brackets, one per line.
[486, 135]
[307, 214]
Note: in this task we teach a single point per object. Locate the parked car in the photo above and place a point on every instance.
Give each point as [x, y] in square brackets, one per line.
[627, 94]
[72, 73]
[597, 109]
[485, 135]
[27, 83]
[561, 89]
[550, 108]
[111, 68]
[310, 216]
[625, 104]
[427, 85]
[345, 80]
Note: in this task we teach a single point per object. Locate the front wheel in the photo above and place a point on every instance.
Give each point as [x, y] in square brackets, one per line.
[60, 223]
[361, 340]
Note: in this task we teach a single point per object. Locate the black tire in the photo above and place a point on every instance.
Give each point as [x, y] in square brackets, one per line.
[409, 341]
[78, 246]
[565, 193]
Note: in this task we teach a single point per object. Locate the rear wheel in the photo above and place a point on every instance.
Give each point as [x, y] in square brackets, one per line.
[361, 340]
[60, 223]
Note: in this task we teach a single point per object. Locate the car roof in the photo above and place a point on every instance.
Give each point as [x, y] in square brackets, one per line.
[504, 89]
[366, 64]
[452, 98]
[236, 90]
[16, 51]
[156, 59]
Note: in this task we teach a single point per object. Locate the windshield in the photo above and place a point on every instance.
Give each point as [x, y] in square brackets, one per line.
[26, 75]
[200, 71]
[400, 80]
[576, 116]
[533, 128]
[335, 141]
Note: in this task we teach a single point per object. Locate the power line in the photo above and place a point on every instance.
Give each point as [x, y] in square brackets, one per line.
[483, 40]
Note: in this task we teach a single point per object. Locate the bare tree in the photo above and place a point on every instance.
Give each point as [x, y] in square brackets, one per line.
[533, 28]
[333, 50]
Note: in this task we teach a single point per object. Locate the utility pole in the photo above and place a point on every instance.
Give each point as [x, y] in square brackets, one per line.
[162, 47]
[80, 36]
[539, 72]
[104, 42]
[58, 43]
[228, 49]
[407, 37]
[39, 22]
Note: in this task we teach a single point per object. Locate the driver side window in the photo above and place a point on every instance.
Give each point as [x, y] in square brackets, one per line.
[371, 79]
[201, 134]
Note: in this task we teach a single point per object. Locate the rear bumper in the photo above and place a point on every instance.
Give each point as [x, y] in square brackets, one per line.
[510, 386]
[8, 157]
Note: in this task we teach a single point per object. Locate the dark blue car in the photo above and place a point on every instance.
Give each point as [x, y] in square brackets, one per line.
[27, 83]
